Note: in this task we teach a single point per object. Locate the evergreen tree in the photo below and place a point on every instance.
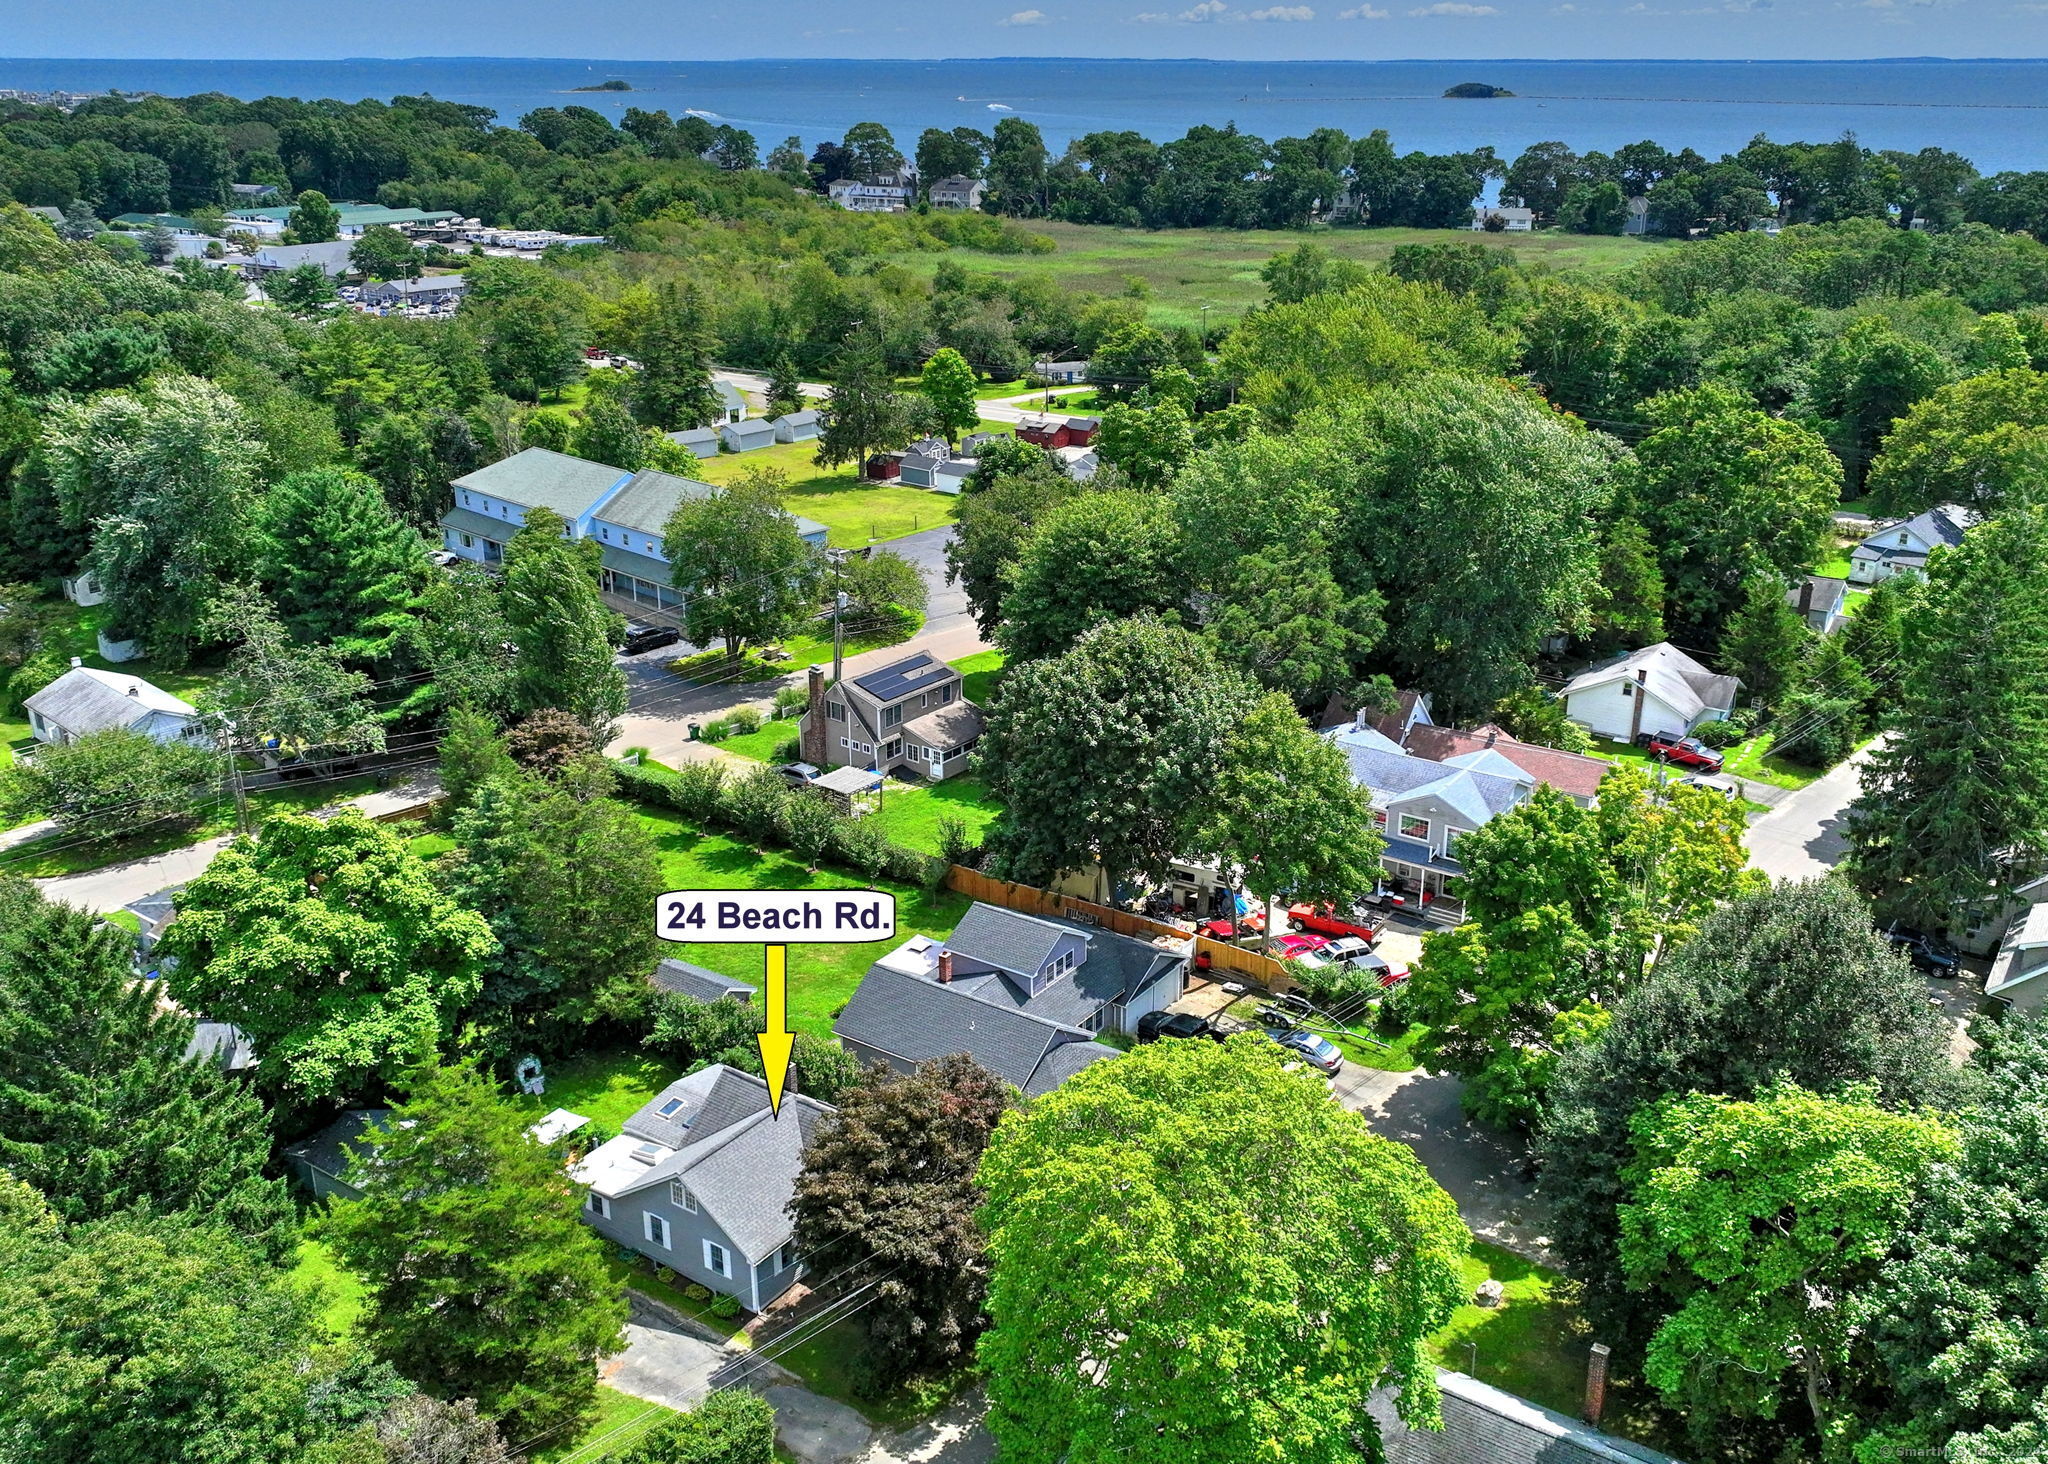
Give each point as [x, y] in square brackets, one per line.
[863, 413]
[80, 222]
[673, 389]
[1765, 640]
[605, 432]
[1628, 598]
[565, 875]
[550, 430]
[564, 632]
[785, 387]
[338, 564]
[482, 1281]
[472, 753]
[1824, 716]
[1954, 814]
[100, 1108]
[313, 219]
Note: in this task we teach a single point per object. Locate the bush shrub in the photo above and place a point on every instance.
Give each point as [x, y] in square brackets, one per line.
[697, 791]
[697, 1292]
[1720, 734]
[715, 731]
[745, 719]
[789, 749]
[791, 700]
[861, 847]
[725, 1307]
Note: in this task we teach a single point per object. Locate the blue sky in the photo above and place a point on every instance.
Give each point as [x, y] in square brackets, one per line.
[1248, 29]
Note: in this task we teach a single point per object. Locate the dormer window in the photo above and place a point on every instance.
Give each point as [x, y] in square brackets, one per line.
[679, 1195]
[892, 717]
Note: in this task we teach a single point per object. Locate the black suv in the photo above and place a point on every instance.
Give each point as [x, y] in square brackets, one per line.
[646, 637]
[1155, 1025]
[1928, 953]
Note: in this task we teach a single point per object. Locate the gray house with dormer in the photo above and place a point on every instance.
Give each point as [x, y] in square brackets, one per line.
[1024, 995]
[912, 713]
[1903, 548]
[700, 1180]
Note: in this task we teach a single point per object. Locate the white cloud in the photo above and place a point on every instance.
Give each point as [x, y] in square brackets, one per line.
[1453, 7]
[1207, 10]
[1283, 12]
[1027, 17]
[1151, 17]
[1364, 12]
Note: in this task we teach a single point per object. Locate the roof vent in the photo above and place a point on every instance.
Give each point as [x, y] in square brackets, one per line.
[134, 689]
[76, 662]
[646, 1153]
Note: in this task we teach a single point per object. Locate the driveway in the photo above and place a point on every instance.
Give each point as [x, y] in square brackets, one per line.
[667, 1361]
[1802, 837]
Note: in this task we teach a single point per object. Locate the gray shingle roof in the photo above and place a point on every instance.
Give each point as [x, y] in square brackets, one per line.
[540, 478]
[469, 521]
[645, 504]
[332, 256]
[739, 1161]
[1063, 1061]
[1007, 939]
[1672, 676]
[949, 726]
[1483, 1425]
[330, 1150]
[916, 1020]
[685, 979]
[86, 699]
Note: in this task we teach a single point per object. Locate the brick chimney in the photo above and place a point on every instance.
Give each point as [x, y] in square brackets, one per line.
[945, 968]
[813, 741]
[1635, 716]
[1806, 594]
[1596, 1384]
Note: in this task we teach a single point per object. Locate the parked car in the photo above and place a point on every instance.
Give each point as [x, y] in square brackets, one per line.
[1155, 1025]
[1245, 927]
[1347, 948]
[1391, 973]
[1326, 920]
[443, 559]
[1687, 752]
[1928, 953]
[798, 774]
[1728, 788]
[641, 637]
[1287, 947]
[1317, 1051]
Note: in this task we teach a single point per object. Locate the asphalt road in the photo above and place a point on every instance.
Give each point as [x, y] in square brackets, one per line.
[1801, 837]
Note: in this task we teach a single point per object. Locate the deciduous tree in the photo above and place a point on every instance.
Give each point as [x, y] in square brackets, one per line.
[314, 220]
[888, 1188]
[948, 384]
[1197, 1201]
[1099, 558]
[564, 632]
[327, 942]
[744, 571]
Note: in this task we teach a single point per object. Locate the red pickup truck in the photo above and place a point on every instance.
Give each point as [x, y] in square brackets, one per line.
[1686, 752]
[1323, 920]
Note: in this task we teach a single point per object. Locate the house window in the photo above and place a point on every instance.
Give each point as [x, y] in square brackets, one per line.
[656, 1229]
[1413, 827]
[598, 1205]
[717, 1259]
[894, 749]
[1628, 688]
[846, 742]
[892, 716]
[1451, 837]
[468, 542]
[836, 711]
[679, 1195]
[785, 1257]
[1379, 819]
[604, 534]
[945, 695]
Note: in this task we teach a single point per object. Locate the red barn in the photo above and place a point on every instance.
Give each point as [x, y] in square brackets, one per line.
[1043, 431]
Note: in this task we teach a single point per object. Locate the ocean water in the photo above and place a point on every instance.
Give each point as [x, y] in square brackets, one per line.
[1993, 112]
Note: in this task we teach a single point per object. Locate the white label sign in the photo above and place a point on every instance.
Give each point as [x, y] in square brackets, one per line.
[775, 917]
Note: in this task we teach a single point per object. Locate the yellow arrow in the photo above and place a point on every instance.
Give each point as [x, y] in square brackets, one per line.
[777, 1041]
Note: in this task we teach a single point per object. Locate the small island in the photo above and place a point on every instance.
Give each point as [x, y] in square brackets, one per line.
[620, 86]
[1476, 89]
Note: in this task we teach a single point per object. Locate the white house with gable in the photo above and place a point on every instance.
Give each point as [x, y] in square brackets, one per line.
[1656, 689]
[1903, 548]
[85, 700]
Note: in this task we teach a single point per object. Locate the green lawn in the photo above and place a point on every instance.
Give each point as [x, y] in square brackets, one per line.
[815, 647]
[979, 671]
[57, 853]
[764, 745]
[1387, 1054]
[1749, 759]
[608, 1085]
[1836, 567]
[341, 1294]
[910, 815]
[1184, 269]
[622, 1420]
[856, 512]
[821, 977]
[827, 1362]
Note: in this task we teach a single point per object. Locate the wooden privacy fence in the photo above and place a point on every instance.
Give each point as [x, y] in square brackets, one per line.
[1259, 970]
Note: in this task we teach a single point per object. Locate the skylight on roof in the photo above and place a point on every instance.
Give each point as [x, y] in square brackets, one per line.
[668, 1109]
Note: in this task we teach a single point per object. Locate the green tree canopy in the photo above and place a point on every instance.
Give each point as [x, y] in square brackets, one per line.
[743, 568]
[382, 253]
[482, 1280]
[948, 384]
[564, 631]
[1758, 1220]
[998, 516]
[314, 220]
[100, 1107]
[1791, 982]
[1146, 699]
[1099, 558]
[326, 941]
[1727, 492]
[338, 563]
[1978, 442]
[1195, 1201]
[1953, 819]
[863, 414]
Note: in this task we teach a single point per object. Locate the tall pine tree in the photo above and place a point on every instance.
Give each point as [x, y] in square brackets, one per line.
[864, 414]
[673, 389]
[1954, 813]
[562, 627]
[99, 1107]
[785, 387]
[338, 563]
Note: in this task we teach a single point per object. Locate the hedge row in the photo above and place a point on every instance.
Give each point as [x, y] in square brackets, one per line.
[761, 808]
